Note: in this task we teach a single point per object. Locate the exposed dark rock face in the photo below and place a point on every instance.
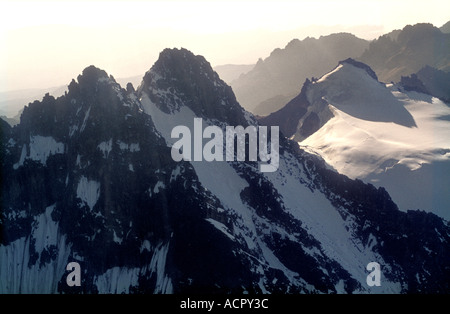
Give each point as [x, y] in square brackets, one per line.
[88, 177]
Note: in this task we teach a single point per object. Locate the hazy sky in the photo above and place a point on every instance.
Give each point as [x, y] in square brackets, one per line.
[47, 43]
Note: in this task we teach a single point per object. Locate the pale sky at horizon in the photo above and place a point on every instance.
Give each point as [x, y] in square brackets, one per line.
[47, 43]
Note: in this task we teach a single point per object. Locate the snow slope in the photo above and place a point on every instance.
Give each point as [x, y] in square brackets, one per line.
[17, 271]
[40, 148]
[385, 136]
[315, 211]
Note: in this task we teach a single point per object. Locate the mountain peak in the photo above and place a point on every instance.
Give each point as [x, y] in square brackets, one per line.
[180, 78]
[418, 32]
[91, 74]
[445, 28]
[180, 63]
[360, 65]
[351, 87]
[89, 79]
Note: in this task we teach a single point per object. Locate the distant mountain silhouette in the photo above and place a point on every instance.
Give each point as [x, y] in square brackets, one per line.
[445, 28]
[402, 53]
[269, 105]
[12, 102]
[281, 75]
[429, 80]
[230, 72]
[10, 121]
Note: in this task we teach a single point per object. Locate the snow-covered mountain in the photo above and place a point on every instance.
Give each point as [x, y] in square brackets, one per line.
[89, 178]
[381, 134]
